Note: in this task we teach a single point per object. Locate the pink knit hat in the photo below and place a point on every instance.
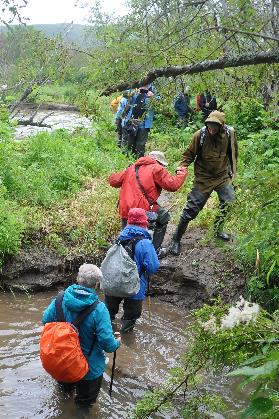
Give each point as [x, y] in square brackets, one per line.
[137, 217]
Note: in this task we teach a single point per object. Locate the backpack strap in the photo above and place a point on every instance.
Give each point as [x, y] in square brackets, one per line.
[58, 305]
[84, 313]
[142, 188]
[130, 245]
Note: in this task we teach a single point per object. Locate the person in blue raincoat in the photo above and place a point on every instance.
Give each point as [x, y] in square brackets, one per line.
[96, 326]
[120, 113]
[182, 107]
[138, 121]
[147, 263]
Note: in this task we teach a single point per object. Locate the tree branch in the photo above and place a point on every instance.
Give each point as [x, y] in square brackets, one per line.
[200, 67]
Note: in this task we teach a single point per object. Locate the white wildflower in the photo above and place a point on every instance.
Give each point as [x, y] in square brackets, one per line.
[242, 313]
[210, 325]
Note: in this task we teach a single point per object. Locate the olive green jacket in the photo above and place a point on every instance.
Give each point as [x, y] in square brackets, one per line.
[214, 162]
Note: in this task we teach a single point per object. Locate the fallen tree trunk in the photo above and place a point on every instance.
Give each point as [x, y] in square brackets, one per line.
[200, 67]
[27, 122]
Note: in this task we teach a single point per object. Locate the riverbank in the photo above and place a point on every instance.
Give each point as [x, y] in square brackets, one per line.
[201, 273]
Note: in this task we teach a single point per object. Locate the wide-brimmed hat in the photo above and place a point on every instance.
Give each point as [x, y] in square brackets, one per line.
[137, 217]
[216, 117]
[159, 157]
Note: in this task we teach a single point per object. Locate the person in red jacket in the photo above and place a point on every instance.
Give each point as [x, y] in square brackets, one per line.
[141, 185]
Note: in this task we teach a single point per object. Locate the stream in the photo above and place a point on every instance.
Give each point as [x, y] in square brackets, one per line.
[65, 119]
[27, 391]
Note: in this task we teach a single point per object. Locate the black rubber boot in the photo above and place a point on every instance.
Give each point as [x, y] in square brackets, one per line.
[158, 235]
[219, 224]
[162, 252]
[223, 236]
[175, 244]
[127, 325]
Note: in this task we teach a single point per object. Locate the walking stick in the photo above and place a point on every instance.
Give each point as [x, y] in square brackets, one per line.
[148, 296]
[112, 373]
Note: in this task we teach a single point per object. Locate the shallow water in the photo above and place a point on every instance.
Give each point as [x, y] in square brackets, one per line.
[69, 120]
[143, 360]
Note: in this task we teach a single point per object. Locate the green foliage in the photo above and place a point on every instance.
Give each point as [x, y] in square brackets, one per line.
[11, 226]
[247, 115]
[6, 129]
[254, 216]
[250, 344]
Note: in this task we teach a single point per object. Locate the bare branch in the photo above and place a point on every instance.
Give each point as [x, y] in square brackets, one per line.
[221, 63]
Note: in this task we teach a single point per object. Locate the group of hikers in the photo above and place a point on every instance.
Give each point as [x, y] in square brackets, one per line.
[213, 151]
[205, 102]
[134, 114]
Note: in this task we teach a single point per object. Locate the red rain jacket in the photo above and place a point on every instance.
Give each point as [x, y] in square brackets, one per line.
[153, 176]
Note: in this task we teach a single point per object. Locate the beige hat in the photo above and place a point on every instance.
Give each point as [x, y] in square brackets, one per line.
[217, 117]
[159, 156]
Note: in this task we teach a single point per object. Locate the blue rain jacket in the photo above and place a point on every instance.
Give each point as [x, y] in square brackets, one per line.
[145, 256]
[181, 104]
[122, 104]
[149, 115]
[77, 298]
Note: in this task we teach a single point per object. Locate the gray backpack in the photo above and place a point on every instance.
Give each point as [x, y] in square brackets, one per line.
[120, 274]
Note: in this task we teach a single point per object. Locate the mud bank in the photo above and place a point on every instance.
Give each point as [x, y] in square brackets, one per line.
[203, 271]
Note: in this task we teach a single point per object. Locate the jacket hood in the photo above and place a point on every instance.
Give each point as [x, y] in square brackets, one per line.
[133, 231]
[217, 117]
[77, 298]
[145, 160]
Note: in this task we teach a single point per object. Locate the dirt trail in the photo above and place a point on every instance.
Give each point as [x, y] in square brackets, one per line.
[201, 272]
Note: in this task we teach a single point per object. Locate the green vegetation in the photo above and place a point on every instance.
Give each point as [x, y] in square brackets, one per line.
[53, 187]
[242, 335]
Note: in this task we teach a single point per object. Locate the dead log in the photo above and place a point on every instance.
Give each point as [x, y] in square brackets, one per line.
[28, 122]
[242, 60]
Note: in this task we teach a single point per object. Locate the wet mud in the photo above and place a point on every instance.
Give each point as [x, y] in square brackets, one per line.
[203, 271]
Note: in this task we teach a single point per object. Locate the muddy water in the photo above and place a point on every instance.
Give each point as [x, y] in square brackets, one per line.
[146, 354]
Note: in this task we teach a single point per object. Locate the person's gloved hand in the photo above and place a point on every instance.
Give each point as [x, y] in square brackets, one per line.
[182, 169]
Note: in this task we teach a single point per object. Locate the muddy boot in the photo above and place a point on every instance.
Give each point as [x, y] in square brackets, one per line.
[162, 252]
[219, 225]
[175, 244]
[223, 236]
[127, 325]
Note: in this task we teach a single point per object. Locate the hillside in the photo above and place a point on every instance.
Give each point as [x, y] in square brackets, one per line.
[69, 32]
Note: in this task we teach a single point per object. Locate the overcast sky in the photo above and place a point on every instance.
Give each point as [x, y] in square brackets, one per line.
[64, 11]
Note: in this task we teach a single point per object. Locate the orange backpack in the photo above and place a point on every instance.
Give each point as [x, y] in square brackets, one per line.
[60, 350]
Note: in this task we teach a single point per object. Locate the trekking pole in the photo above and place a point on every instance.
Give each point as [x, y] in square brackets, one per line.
[112, 373]
[116, 334]
[148, 297]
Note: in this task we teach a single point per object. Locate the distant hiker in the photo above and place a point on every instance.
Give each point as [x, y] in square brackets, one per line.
[147, 264]
[115, 103]
[214, 152]
[95, 331]
[208, 103]
[141, 185]
[198, 102]
[119, 115]
[182, 107]
[138, 121]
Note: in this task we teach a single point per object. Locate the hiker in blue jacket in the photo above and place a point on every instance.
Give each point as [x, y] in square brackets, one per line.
[147, 263]
[138, 121]
[96, 327]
